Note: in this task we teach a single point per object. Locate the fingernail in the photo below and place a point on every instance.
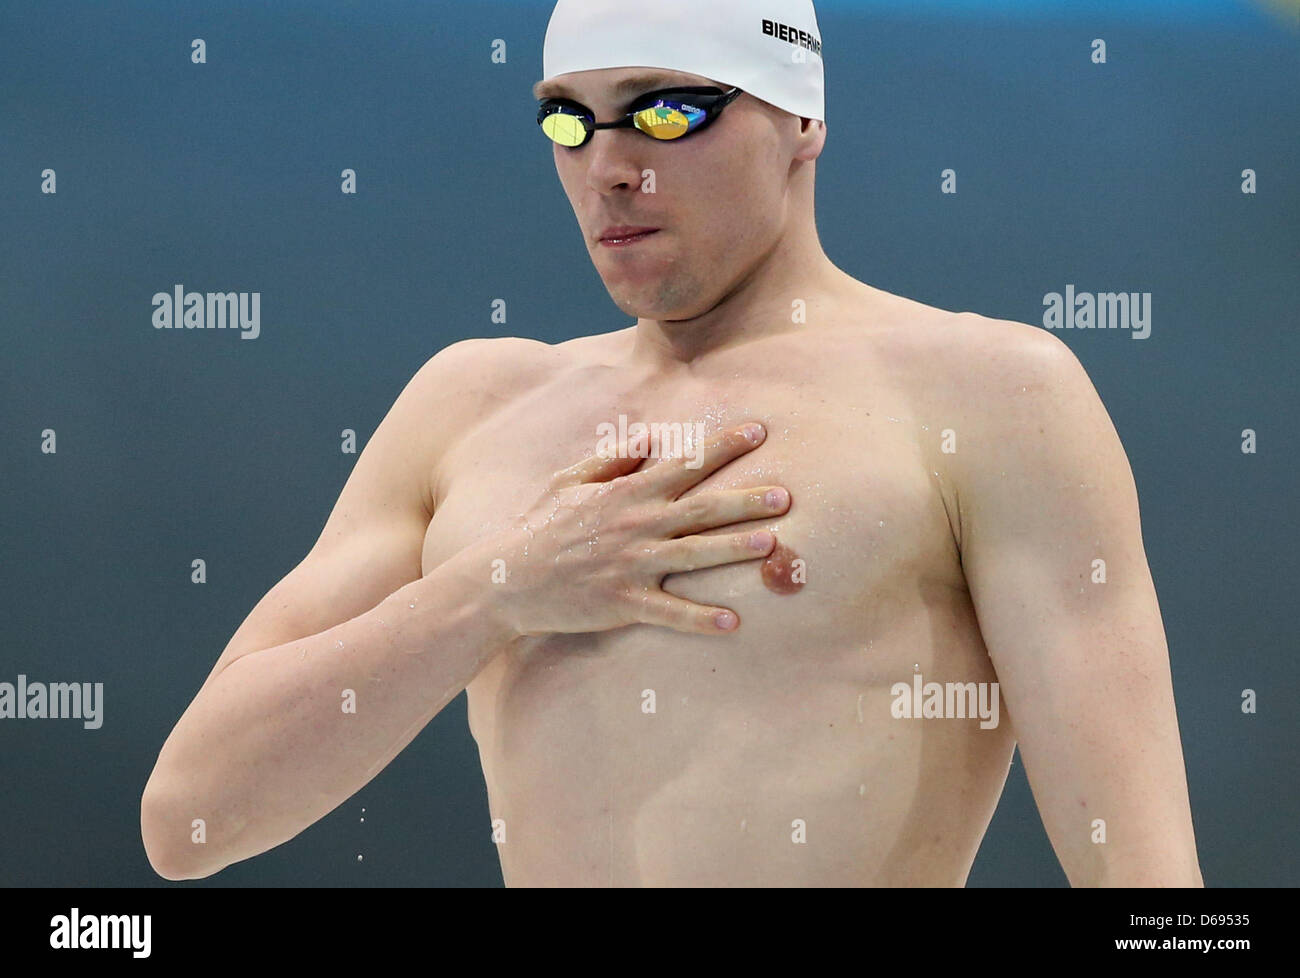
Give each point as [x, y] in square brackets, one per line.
[725, 620]
[776, 498]
[754, 433]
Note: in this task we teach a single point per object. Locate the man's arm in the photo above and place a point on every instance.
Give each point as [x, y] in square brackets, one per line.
[266, 747]
[270, 743]
[1046, 494]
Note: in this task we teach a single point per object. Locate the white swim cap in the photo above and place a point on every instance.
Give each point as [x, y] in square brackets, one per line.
[772, 50]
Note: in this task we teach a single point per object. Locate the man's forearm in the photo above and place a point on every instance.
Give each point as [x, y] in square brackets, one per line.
[282, 736]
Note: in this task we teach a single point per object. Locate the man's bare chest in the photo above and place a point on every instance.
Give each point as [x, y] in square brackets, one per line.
[879, 575]
[867, 511]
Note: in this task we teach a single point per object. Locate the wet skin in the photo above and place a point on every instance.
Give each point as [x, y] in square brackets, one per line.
[788, 718]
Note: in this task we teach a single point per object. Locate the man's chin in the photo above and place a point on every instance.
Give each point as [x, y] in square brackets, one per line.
[637, 310]
[631, 301]
[660, 299]
[654, 307]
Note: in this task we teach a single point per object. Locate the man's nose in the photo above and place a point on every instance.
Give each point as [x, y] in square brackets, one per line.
[614, 160]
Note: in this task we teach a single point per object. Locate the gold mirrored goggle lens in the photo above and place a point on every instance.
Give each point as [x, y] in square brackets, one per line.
[565, 129]
[662, 122]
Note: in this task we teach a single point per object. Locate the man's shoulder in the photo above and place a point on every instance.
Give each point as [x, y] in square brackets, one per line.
[987, 376]
[1011, 366]
[976, 362]
[494, 359]
[492, 368]
[466, 381]
[957, 335]
[1011, 392]
[485, 363]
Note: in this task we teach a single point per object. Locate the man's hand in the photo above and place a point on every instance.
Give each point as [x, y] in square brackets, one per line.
[1047, 505]
[592, 553]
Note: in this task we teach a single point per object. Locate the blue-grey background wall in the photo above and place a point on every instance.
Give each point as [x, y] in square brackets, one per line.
[226, 176]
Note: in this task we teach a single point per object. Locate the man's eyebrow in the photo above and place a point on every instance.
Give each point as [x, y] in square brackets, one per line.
[633, 83]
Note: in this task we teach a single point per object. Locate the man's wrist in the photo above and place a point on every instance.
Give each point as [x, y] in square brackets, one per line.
[479, 574]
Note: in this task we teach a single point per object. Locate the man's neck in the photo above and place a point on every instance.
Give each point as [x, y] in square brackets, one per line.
[762, 304]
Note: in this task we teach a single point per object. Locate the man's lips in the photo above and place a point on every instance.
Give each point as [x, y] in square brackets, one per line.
[625, 234]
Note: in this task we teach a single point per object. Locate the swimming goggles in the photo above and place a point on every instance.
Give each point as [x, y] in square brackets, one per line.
[670, 113]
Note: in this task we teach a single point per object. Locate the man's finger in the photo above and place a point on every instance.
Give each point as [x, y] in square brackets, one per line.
[672, 477]
[681, 615]
[595, 468]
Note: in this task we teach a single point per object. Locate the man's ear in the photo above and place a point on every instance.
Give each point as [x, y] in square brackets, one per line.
[812, 139]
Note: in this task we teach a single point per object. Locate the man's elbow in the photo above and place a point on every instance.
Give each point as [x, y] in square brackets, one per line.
[1170, 879]
[164, 842]
[1171, 871]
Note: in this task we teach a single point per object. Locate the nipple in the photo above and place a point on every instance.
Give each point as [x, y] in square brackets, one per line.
[781, 575]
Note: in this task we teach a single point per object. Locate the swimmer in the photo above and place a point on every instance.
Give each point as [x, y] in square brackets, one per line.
[772, 656]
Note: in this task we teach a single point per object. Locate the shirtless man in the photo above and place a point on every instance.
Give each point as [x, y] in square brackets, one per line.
[672, 679]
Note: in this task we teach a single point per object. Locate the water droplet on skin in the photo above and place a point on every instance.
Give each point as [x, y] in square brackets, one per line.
[916, 666]
[859, 708]
[882, 522]
[339, 645]
[743, 822]
[862, 791]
